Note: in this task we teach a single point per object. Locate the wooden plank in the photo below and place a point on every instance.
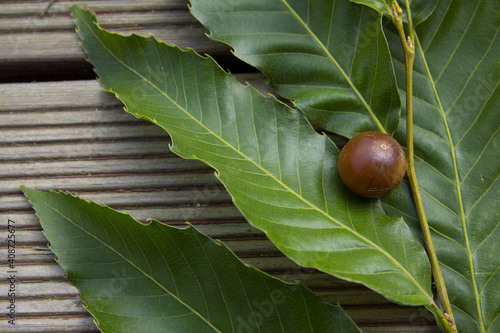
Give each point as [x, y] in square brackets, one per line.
[186, 197]
[195, 181]
[20, 169]
[44, 323]
[31, 271]
[79, 150]
[52, 96]
[43, 306]
[88, 132]
[108, 20]
[78, 95]
[26, 37]
[64, 46]
[102, 116]
[35, 8]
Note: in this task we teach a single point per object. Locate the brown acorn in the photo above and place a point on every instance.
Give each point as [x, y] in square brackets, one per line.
[372, 164]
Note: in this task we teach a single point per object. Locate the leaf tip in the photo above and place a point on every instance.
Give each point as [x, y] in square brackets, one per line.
[27, 191]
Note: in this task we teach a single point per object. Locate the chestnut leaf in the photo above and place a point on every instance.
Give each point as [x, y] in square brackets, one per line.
[329, 57]
[456, 113]
[420, 9]
[281, 174]
[158, 278]
[456, 98]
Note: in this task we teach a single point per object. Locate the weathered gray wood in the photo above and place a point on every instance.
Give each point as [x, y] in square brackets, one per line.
[35, 8]
[86, 132]
[81, 150]
[102, 116]
[44, 323]
[27, 37]
[96, 166]
[37, 306]
[188, 197]
[196, 181]
[84, 96]
[46, 289]
[107, 20]
[62, 45]
[44, 96]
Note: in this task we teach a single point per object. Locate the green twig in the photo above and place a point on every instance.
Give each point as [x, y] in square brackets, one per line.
[409, 51]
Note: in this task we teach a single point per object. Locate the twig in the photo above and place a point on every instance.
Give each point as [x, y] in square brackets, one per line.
[409, 50]
[51, 2]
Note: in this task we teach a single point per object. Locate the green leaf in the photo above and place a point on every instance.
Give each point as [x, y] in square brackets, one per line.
[157, 278]
[281, 174]
[456, 98]
[457, 121]
[420, 9]
[384, 7]
[330, 57]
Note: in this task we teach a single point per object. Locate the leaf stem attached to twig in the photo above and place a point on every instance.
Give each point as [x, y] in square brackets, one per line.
[446, 319]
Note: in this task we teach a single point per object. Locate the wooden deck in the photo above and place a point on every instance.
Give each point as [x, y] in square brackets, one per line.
[58, 130]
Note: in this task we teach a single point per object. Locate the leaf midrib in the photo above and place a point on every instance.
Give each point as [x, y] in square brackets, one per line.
[314, 207]
[332, 59]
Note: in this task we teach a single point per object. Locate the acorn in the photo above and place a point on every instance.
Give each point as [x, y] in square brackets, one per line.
[372, 164]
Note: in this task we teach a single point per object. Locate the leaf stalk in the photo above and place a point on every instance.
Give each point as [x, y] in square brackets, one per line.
[446, 319]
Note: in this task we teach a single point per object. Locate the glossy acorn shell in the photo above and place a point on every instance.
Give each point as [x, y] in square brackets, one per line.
[372, 164]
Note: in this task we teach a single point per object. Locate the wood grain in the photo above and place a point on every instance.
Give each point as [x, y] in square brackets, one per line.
[25, 36]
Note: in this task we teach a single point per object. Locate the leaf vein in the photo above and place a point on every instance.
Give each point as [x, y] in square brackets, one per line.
[337, 65]
[458, 44]
[480, 155]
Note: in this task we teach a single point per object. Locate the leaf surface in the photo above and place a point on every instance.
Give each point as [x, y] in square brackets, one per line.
[420, 9]
[457, 144]
[456, 102]
[157, 278]
[456, 140]
[281, 174]
[330, 57]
